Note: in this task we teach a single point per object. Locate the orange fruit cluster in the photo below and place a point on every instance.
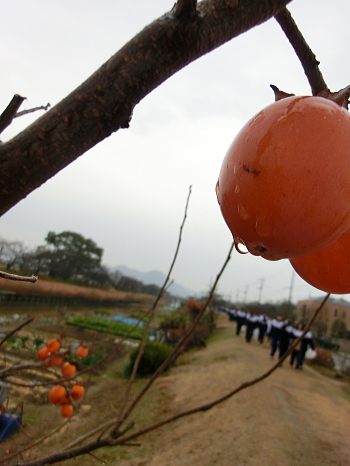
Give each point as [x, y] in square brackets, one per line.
[60, 396]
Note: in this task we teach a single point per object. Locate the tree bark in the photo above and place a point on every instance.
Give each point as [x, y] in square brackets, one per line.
[105, 101]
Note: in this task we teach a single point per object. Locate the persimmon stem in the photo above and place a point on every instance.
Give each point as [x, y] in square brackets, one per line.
[303, 51]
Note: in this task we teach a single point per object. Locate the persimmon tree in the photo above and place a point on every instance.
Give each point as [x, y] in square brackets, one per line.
[102, 105]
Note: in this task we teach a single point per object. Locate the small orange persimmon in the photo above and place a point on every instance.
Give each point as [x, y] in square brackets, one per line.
[328, 269]
[58, 395]
[53, 345]
[57, 361]
[44, 353]
[66, 410]
[77, 392]
[82, 352]
[68, 369]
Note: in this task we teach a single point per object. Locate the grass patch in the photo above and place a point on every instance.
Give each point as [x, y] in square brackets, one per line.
[106, 326]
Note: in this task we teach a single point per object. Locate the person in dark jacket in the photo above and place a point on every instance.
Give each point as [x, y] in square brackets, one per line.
[240, 320]
[274, 333]
[297, 332]
[262, 325]
[305, 343]
[284, 338]
[251, 324]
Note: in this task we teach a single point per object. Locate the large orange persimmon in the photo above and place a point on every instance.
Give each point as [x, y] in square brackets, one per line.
[284, 185]
[328, 269]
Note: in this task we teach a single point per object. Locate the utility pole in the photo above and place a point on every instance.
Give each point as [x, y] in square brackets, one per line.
[261, 288]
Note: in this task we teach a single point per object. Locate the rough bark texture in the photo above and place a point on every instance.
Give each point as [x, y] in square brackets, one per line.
[105, 101]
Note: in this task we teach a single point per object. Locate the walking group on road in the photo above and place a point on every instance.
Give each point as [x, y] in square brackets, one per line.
[279, 331]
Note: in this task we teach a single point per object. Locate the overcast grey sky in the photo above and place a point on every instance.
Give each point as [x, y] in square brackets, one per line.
[128, 193]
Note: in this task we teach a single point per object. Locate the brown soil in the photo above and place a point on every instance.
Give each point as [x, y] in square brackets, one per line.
[291, 418]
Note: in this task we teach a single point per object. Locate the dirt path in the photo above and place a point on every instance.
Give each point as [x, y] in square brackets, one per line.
[291, 418]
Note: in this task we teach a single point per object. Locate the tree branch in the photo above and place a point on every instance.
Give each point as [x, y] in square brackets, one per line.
[18, 278]
[181, 344]
[32, 110]
[17, 329]
[105, 101]
[304, 53]
[10, 111]
[160, 294]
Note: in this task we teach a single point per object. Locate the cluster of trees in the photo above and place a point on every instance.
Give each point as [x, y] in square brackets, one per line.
[68, 256]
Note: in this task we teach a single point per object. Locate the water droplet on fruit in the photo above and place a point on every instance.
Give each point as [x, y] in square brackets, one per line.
[240, 246]
[263, 226]
[237, 189]
[217, 187]
[242, 212]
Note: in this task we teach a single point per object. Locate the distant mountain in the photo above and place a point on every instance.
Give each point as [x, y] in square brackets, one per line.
[155, 277]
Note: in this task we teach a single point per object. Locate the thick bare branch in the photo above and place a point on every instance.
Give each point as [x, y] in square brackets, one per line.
[305, 54]
[104, 103]
[10, 111]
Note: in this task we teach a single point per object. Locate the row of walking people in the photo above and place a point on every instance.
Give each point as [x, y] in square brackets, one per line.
[280, 332]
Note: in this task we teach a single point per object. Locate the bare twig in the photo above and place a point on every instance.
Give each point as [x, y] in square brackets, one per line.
[17, 329]
[181, 344]
[161, 291]
[304, 53]
[18, 278]
[32, 110]
[96, 457]
[10, 111]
